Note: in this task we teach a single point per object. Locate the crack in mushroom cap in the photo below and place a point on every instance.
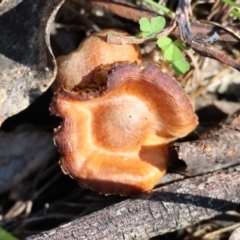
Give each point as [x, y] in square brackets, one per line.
[117, 143]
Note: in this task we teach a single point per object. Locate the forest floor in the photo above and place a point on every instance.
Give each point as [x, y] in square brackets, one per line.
[46, 198]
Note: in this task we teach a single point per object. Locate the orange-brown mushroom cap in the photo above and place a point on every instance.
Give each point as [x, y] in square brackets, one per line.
[93, 53]
[117, 143]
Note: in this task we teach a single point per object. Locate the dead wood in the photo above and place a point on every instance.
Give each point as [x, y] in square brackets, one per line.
[216, 149]
[163, 210]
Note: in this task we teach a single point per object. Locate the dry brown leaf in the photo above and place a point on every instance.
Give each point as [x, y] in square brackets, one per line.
[27, 65]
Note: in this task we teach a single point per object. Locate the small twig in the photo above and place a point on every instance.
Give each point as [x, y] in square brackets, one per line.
[116, 39]
[215, 55]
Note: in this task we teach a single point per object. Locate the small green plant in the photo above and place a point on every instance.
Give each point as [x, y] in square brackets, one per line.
[171, 50]
[236, 8]
[172, 54]
[153, 27]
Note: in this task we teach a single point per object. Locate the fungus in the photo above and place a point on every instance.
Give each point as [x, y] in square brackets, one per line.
[116, 142]
[92, 55]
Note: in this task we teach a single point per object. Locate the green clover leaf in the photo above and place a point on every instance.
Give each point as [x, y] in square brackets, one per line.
[164, 42]
[172, 53]
[150, 28]
[145, 25]
[157, 24]
[181, 66]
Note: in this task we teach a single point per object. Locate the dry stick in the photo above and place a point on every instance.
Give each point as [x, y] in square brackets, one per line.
[217, 149]
[215, 55]
[163, 210]
[195, 43]
[116, 39]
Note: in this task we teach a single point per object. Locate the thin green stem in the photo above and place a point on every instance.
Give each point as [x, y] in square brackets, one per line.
[231, 3]
[160, 7]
